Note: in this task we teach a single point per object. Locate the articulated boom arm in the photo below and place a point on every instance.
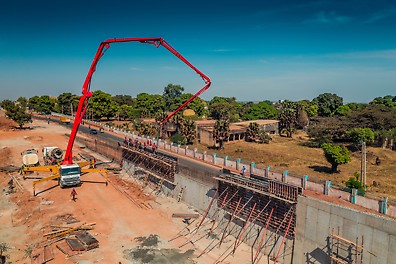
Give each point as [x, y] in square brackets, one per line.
[86, 93]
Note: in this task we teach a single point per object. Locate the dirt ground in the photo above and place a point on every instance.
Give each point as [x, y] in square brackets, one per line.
[290, 154]
[132, 225]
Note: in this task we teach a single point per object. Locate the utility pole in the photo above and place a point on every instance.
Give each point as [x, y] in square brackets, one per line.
[71, 109]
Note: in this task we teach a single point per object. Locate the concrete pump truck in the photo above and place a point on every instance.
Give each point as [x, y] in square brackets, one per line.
[68, 173]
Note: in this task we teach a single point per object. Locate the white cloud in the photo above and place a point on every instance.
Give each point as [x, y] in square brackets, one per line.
[324, 17]
[381, 15]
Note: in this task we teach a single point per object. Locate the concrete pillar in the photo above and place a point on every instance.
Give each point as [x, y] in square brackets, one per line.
[383, 203]
[195, 153]
[353, 196]
[267, 171]
[185, 150]
[178, 149]
[284, 175]
[327, 186]
[214, 158]
[225, 161]
[252, 166]
[304, 182]
[204, 154]
[238, 162]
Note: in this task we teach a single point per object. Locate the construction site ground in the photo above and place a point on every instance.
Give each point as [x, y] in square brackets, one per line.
[132, 224]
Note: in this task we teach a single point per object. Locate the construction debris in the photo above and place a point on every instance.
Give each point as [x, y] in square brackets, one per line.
[185, 215]
[43, 255]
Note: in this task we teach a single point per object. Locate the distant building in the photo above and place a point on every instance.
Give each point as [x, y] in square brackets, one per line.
[237, 130]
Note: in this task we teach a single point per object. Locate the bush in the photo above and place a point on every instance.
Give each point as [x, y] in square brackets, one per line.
[354, 183]
[178, 139]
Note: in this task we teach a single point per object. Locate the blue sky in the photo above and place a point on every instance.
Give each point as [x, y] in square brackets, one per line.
[253, 50]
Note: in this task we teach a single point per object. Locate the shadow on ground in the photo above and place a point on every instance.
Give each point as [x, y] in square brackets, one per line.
[149, 252]
[321, 169]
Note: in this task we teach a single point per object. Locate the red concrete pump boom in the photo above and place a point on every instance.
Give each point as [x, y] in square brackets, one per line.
[86, 93]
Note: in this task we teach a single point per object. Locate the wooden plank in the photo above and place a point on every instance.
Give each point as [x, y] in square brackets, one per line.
[185, 215]
[75, 244]
[65, 249]
[48, 254]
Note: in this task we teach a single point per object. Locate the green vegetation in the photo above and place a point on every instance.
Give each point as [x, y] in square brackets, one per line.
[326, 119]
[336, 155]
[221, 132]
[16, 112]
[354, 183]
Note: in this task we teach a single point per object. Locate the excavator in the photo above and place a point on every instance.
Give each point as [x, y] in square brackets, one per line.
[68, 173]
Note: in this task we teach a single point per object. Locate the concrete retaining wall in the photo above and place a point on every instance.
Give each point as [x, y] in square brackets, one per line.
[317, 219]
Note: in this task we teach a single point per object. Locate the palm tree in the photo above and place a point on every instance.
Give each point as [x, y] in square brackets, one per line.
[221, 132]
[288, 118]
[253, 132]
[187, 129]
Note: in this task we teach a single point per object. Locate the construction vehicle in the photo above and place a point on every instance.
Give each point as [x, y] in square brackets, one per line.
[65, 120]
[52, 155]
[67, 168]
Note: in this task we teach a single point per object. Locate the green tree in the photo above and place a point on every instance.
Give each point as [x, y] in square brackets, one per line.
[32, 102]
[127, 112]
[388, 101]
[172, 93]
[224, 108]
[102, 105]
[354, 183]
[187, 129]
[336, 155]
[288, 118]
[150, 104]
[66, 101]
[253, 132]
[45, 105]
[124, 100]
[343, 110]
[22, 101]
[221, 132]
[7, 104]
[312, 110]
[262, 110]
[327, 103]
[16, 112]
[198, 105]
[359, 135]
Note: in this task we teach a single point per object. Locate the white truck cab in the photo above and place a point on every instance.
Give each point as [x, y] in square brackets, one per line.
[69, 175]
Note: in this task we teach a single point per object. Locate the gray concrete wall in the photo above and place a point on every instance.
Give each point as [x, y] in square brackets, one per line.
[317, 219]
[199, 188]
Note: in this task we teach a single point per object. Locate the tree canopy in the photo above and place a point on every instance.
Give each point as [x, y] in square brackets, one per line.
[336, 155]
[262, 110]
[16, 113]
[327, 103]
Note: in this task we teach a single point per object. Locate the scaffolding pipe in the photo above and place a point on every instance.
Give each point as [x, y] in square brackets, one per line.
[283, 239]
[229, 222]
[243, 229]
[207, 209]
[263, 236]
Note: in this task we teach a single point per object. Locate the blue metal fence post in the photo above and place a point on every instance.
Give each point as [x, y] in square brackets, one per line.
[304, 182]
[225, 161]
[327, 187]
[353, 195]
[252, 166]
[267, 171]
